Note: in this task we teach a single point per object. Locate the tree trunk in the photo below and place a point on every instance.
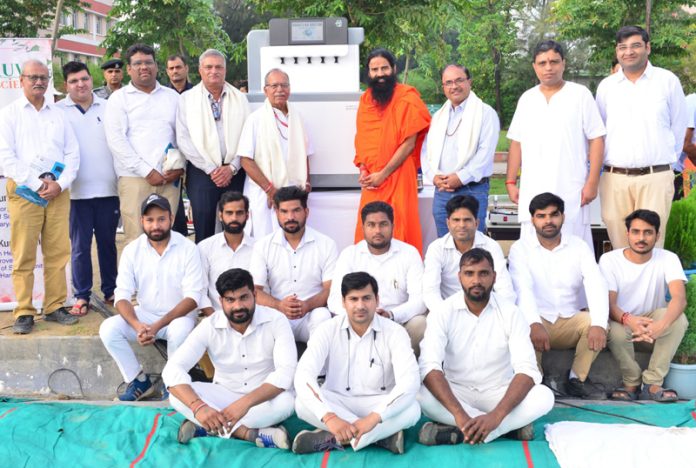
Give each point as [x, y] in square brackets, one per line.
[648, 11]
[56, 22]
[406, 65]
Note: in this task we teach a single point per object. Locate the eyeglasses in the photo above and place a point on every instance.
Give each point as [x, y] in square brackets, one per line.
[36, 78]
[275, 86]
[635, 46]
[215, 107]
[457, 82]
[143, 63]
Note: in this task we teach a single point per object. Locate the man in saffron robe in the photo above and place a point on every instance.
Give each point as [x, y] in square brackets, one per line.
[392, 122]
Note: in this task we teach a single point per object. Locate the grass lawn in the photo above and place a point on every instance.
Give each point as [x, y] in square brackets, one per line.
[497, 185]
[503, 142]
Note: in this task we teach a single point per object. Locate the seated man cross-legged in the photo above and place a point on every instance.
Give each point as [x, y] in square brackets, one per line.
[253, 352]
[369, 395]
[640, 317]
[480, 377]
[164, 269]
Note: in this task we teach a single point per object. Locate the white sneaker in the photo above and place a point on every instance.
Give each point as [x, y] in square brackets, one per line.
[273, 437]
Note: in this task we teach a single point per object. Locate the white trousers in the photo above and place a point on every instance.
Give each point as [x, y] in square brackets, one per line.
[268, 413]
[303, 327]
[262, 219]
[537, 403]
[351, 408]
[116, 334]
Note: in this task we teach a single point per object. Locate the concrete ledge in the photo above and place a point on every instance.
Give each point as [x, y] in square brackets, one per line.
[29, 362]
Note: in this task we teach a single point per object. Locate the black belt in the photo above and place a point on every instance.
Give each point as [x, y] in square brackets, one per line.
[482, 181]
[638, 171]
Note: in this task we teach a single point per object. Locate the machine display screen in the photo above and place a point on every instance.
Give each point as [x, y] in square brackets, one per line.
[306, 32]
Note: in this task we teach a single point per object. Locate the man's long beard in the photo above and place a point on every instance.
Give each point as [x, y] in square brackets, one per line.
[382, 92]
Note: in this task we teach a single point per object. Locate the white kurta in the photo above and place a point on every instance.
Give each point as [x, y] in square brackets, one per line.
[554, 139]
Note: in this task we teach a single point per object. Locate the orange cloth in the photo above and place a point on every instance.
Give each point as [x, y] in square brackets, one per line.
[380, 131]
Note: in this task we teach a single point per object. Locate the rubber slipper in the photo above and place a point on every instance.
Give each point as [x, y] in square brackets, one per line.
[621, 394]
[659, 395]
[80, 308]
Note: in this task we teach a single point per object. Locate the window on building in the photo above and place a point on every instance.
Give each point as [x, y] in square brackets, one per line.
[75, 20]
[85, 23]
[99, 25]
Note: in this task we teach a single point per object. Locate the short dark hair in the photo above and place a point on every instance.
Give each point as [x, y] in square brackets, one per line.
[139, 48]
[544, 200]
[627, 31]
[462, 201]
[232, 196]
[380, 52]
[377, 207]
[476, 256]
[176, 56]
[546, 46]
[358, 280]
[648, 216]
[456, 65]
[74, 67]
[233, 279]
[290, 193]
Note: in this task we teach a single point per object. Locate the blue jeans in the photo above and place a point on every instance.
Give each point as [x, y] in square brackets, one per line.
[478, 191]
[98, 217]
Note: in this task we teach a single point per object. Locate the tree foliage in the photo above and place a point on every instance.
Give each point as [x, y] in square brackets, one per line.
[25, 18]
[186, 27]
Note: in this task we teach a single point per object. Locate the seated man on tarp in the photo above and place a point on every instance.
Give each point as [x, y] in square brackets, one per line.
[253, 352]
[481, 378]
[369, 395]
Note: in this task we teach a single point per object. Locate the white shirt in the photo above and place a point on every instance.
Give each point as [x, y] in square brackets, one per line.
[641, 288]
[479, 353]
[247, 140]
[381, 358]
[160, 281]
[32, 141]
[283, 271]
[441, 274]
[645, 120]
[550, 283]
[399, 273]
[265, 353]
[96, 177]
[554, 139]
[139, 128]
[218, 257]
[183, 138]
[481, 163]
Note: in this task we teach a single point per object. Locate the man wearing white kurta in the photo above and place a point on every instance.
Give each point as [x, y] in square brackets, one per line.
[556, 277]
[555, 126]
[396, 265]
[480, 378]
[140, 124]
[209, 122]
[441, 274]
[253, 352]
[639, 278]
[231, 248]
[369, 395]
[293, 267]
[274, 150]
[457, 156]
[644, 110]
[164, 269]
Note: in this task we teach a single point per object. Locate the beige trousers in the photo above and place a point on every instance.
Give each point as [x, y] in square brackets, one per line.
[416, 329]
[28, 223]
[569, 333]
[663, 350]
[132, 191]
[622, 194]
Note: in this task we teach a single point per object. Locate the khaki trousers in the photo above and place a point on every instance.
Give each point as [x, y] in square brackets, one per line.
[132, 191]
[416, 329]
[569, 333]
[622, 194]
[28, 223]
[663, 350]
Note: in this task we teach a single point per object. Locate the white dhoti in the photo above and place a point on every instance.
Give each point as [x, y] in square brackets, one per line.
[351, 408]
[116, 334]
[268, 413]
[537, 403]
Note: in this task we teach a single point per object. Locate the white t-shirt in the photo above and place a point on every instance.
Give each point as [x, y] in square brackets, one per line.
[641, 288]
[554, 139]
